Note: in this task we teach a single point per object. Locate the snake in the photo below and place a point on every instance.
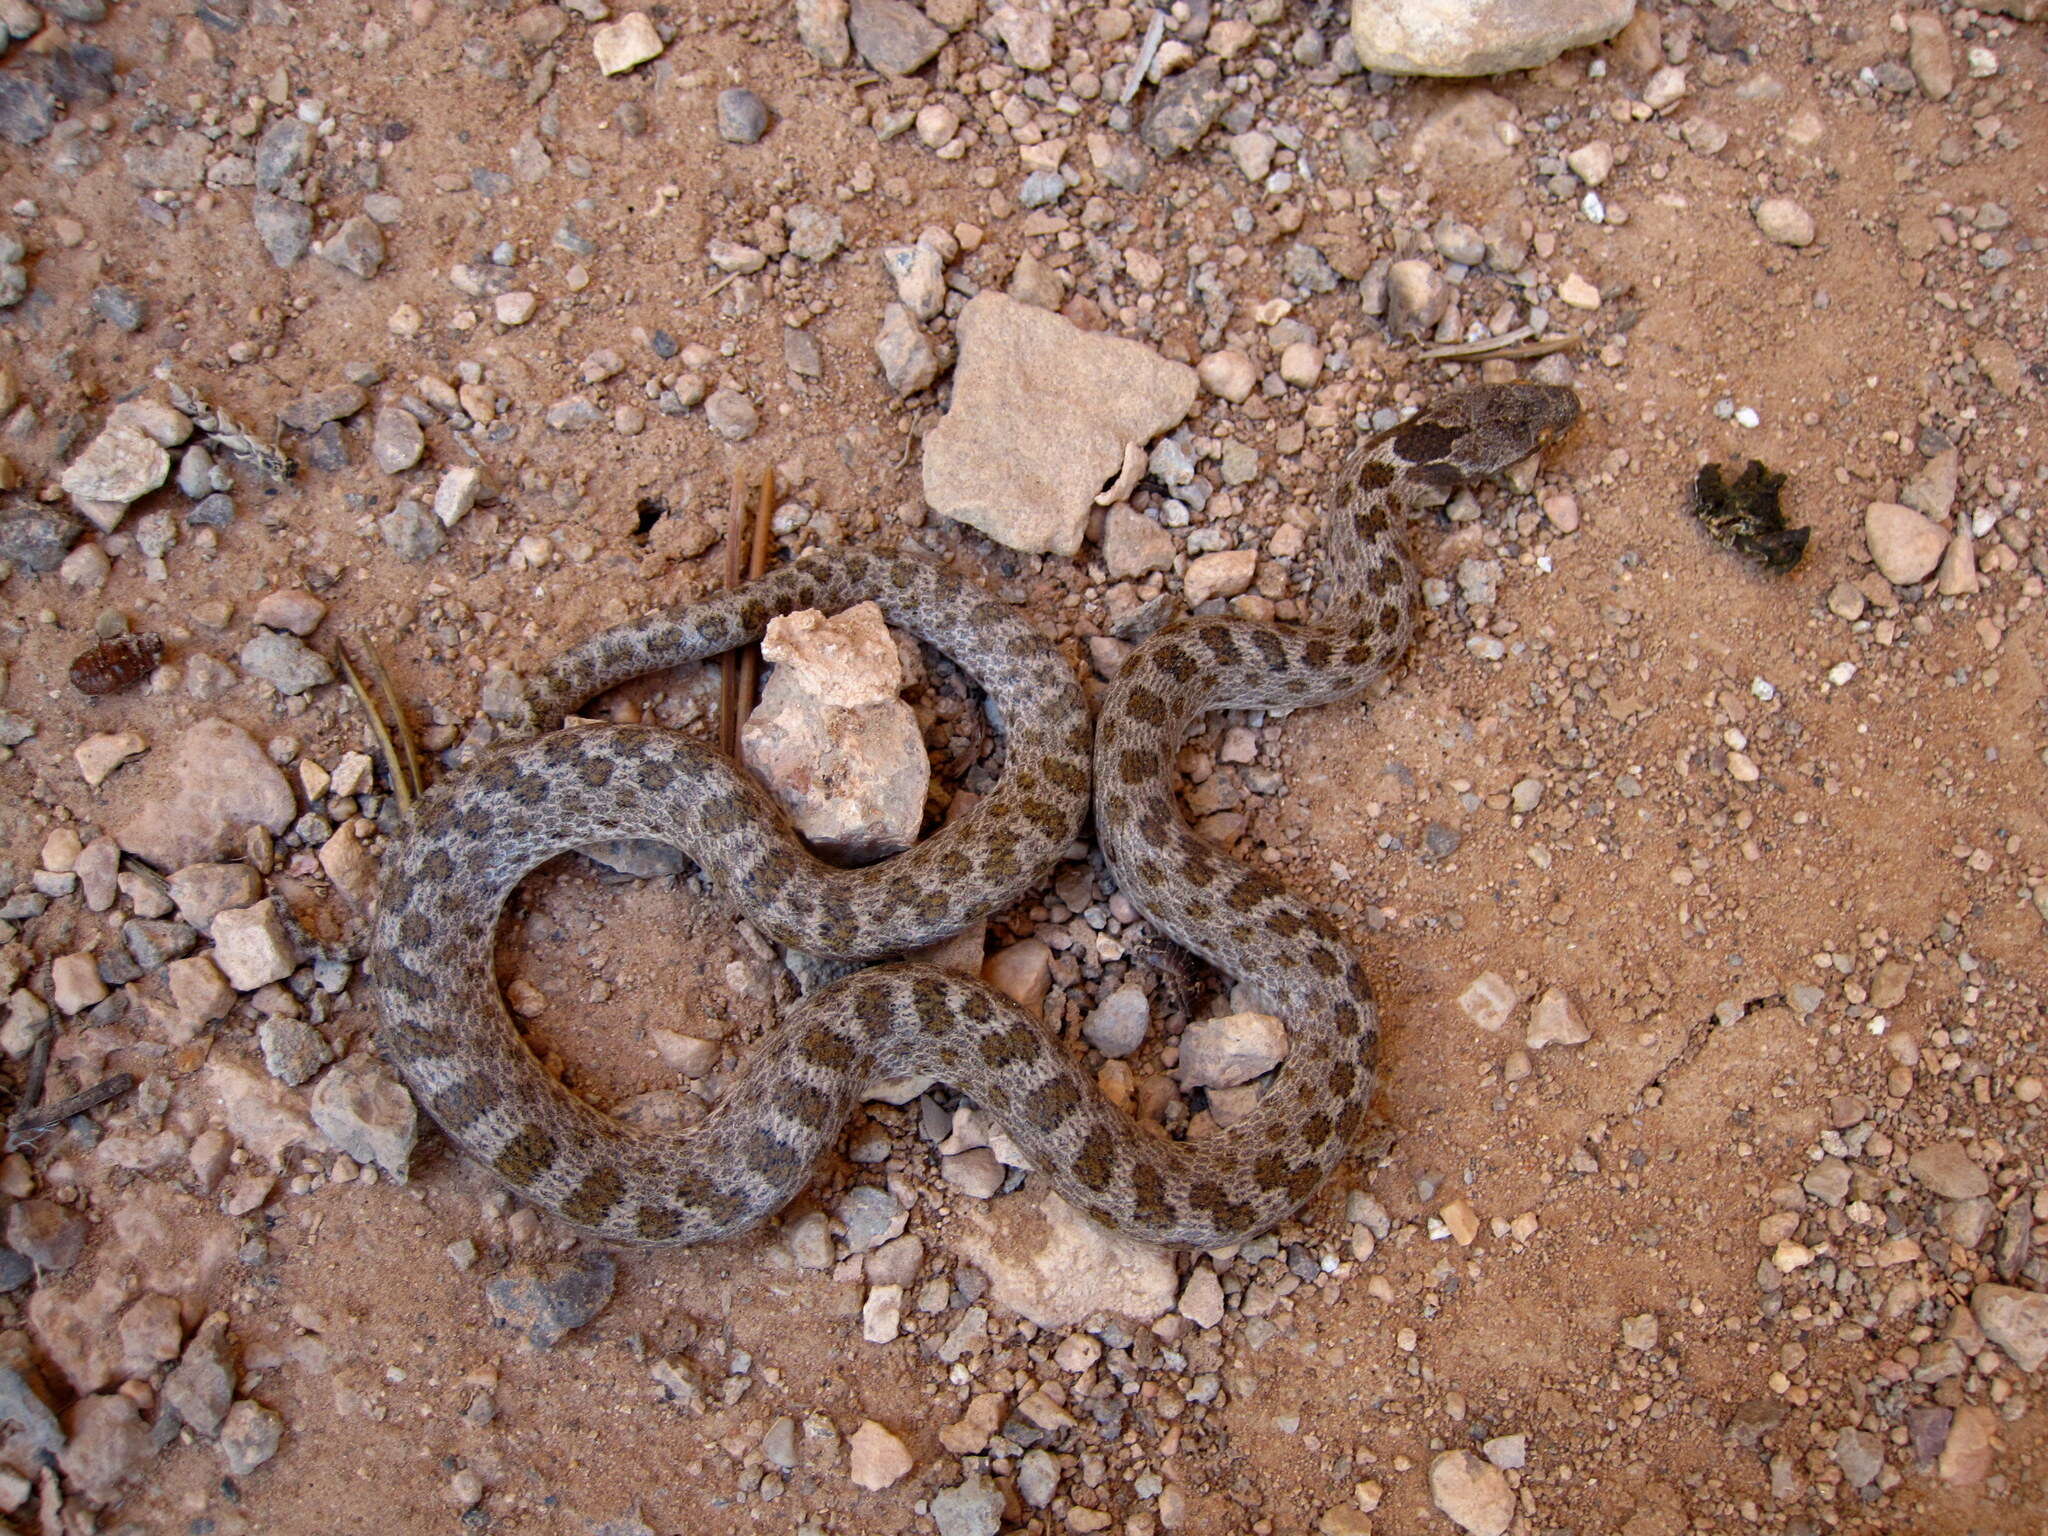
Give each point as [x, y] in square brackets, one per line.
[476, 835]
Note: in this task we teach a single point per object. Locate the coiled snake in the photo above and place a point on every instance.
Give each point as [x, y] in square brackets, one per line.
[478, 834]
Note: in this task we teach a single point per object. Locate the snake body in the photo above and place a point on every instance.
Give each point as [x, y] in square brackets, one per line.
[477, 835]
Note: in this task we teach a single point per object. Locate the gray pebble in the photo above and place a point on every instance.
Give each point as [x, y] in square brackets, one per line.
[1186, 106]
[285, 662]
[1417, 297]
[358, 246]
[814, 234]
[547, 1302]
[1118, 1024]
[37, 538]
[412, 532]
[973, 1507]
[871, 1216]
[284, 227]
[119, 308]
[731, 415]
[1460, 243]
[742, 116]
[216, 511]
[398, 441]
[327, 450]
[1041, 189]
[28, 109]
[309, 413]
[156, 942]
[195, 472]
[248, 1437]
[20, 1405]
[282, 152]
[800, 352]
[895, 36]
[293, 1050]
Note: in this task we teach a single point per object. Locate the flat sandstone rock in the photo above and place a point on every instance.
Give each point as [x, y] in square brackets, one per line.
[1042, 411]
[1461, 38]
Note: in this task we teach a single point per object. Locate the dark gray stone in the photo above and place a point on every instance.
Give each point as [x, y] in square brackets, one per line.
[37, 538]
[548, 1301]
[328, 450]
[216, 511]
[742, 116]
[894, 36]
[413, 533]
[284, 227]
[15, 1270]
[282, 152]
[119, 308]
[27, 108]
[20, 1405]
[155, 942]
[309, 413]
[1187, 105]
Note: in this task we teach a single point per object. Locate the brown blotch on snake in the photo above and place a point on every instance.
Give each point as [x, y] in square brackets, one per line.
[447, 1031]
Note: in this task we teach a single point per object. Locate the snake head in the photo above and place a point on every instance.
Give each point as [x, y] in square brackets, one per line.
[1473, 433]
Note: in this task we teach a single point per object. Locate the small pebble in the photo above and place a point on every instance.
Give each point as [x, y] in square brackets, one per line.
[742, 116]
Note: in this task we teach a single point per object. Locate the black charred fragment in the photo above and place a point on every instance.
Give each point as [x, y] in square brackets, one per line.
[1744, 515]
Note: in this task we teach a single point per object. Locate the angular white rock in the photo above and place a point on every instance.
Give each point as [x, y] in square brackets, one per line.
[1041, 414]
[832, 740]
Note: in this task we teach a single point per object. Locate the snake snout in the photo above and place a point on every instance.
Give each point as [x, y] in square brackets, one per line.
[1535, 415]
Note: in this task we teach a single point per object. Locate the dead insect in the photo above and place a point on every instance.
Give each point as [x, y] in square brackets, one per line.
[1744, 515]
[116, 664]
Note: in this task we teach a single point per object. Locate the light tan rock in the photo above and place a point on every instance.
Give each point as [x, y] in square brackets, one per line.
[1458, 38]
[2015, 1320]
[198, 801]
[1473, 1493]
[831, 739]
[1488, 1001]
[1930, 54]
[625, 43]
[1906, 546]
[1555, 1021]
[1223, 573]
[1021, 972]
[1042, 412]
[118, 466]
[1049, 1263]
[876, 1459]
[99, 755]
[1972, 1446]
[251, 947]
[1222, 1053]
[1958, 576]
[1133, 544]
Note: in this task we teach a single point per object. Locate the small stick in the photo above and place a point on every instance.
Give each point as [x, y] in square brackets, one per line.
[404, 783]
[38, 1066]
[728, 664]
[415, 780]
[26, 1127]
[757, 567]
[1521, 343]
